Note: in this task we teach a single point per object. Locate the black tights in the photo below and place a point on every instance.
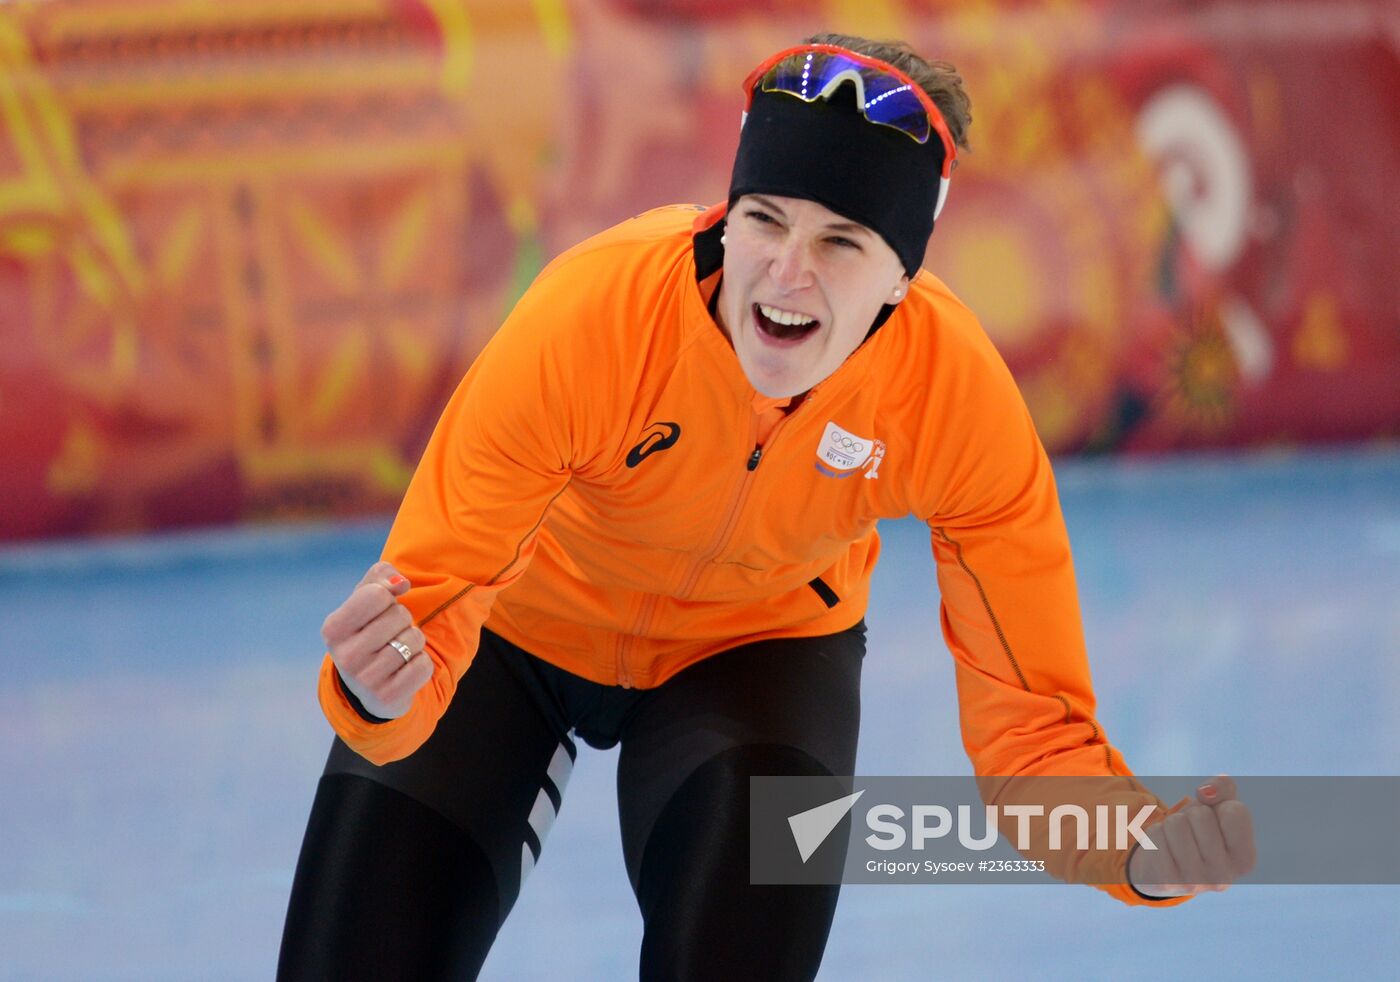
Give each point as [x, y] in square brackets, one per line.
[408, 870]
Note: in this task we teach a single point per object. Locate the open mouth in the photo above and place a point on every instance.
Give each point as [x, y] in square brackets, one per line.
[780, 327]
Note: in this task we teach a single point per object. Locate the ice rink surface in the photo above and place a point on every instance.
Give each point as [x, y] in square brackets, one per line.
[160, 738]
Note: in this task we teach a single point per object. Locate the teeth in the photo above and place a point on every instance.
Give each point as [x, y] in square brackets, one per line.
[784, 316]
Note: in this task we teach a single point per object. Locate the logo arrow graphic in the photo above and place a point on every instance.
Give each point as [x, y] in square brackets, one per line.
[810, 828]
[659, 436]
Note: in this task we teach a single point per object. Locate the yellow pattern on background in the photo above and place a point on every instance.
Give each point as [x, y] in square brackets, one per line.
[67, 217]
[1321, 343]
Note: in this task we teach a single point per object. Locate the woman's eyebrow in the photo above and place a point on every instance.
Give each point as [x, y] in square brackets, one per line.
[847, 227]
[760, 200]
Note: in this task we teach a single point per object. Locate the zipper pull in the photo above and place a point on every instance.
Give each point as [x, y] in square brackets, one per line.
[753, 457]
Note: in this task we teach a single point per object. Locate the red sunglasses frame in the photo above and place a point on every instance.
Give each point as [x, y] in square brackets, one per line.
[935, 117]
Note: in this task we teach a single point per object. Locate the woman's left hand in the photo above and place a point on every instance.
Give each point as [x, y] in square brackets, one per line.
[1206, 846]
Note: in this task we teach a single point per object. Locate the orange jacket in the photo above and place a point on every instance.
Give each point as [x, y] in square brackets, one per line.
[592, 494]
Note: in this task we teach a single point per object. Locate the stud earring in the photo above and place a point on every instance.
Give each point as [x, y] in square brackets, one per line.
[723, 239]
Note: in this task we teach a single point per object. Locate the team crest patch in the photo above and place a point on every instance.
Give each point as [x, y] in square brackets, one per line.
[843, 454]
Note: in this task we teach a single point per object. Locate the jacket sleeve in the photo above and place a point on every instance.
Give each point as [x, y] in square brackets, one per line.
[1010, 609]
[501, 453]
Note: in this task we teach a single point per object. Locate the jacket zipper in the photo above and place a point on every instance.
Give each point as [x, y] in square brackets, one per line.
[736, 505]
[624, 643]
[643, 619]
[716, 545]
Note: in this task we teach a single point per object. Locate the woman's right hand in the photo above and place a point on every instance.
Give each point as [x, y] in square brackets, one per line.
[357, 635]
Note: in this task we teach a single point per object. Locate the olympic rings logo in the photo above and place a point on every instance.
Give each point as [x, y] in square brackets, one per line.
[846, 444]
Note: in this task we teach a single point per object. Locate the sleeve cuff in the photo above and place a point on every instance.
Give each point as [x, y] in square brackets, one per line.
[1148, 897]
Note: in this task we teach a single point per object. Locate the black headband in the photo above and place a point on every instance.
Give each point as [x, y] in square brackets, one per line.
[826, 151]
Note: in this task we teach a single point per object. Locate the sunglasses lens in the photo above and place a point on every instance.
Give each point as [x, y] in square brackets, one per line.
[888, 100]
[892, 102]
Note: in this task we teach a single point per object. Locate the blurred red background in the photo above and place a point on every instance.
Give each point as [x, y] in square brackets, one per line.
[247, 250]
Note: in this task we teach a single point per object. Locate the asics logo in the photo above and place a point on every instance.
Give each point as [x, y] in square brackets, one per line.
[659, 436]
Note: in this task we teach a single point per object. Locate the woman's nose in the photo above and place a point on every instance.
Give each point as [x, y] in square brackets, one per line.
[790, 269]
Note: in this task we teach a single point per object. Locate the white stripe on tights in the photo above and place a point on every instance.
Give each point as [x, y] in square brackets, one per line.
[542, 816]
[560, 768]
[542, 813]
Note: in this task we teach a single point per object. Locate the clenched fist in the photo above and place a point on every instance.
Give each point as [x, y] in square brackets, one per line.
[1206, 846]
[358, 634]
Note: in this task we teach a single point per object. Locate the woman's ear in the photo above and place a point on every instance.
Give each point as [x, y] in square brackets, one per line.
[900, 289]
